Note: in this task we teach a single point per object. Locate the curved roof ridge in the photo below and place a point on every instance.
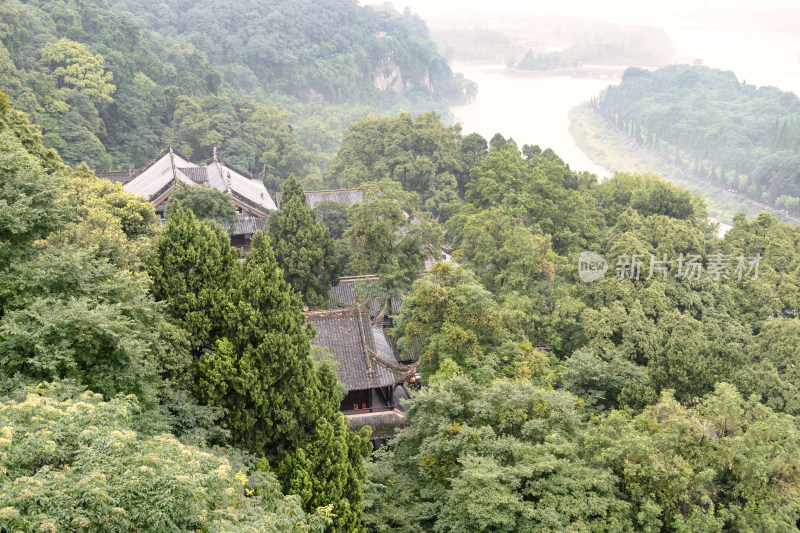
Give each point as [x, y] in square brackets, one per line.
[394, 367]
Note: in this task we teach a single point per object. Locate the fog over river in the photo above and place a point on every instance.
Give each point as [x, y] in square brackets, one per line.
[530, 110]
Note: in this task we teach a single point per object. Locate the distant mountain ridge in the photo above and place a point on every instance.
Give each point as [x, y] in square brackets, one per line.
[110, 93]
[334, 51]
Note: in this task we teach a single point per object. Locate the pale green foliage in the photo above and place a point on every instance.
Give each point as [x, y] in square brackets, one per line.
[420, 153]
[499, 458]
[724, 465]
[29, 136]
[541, 187]
[503, 252]
[76, 463]
[452, 323]
[207, 203]
[649, 195]
[111, 222]
[76, 67]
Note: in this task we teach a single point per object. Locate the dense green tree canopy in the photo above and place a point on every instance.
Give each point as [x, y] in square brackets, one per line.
[454, 326]
[100, 216]
[69, 315]
[725, 464]
[419, 153]
[56, 451]
[500, 458]
[303, 246]
[107, 93]
[389, 239]
[541, 186]
[710, 124]
[28, 197]
[75, 67]
[207, 203]
[329, 49]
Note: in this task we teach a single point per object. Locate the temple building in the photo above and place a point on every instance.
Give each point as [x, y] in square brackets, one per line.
[352, 330]
[157, 180]
[367, 367]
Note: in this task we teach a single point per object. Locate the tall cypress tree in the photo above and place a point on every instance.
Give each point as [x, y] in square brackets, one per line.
[278, 404]
[192, 272]
[330, 469]
[303, 246]
[261, 371]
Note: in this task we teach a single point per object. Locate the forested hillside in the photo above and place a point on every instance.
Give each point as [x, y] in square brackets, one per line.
[330, 50]
[594, 358]
[106, 92]
[707, 122]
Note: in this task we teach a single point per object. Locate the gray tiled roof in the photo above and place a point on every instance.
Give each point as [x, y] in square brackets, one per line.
[247, 224]
[363, 362]
[196, 174]
[156, 180]
[351, 287]
[157, 176]
[251, 191]
[338, 196]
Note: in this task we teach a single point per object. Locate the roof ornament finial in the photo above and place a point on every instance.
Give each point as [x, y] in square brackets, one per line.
[215, 153]
[172, 164]
[228, 183]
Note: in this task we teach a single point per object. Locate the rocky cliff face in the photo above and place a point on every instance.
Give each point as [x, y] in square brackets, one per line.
[390, 78]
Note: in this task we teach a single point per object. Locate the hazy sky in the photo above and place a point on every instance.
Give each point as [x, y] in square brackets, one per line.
[758, 39]
[589, 7]
[436, 12]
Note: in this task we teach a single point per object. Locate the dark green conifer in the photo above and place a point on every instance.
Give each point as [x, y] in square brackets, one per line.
[192, 271]
[303, 246]
[278, 404]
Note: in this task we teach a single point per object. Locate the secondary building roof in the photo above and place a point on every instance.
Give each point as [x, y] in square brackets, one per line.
[365, 358]
[156, 180]
[361, 291]
[247, 224]
[338, 196]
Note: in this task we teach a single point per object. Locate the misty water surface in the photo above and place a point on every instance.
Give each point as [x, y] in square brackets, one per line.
[530, 110]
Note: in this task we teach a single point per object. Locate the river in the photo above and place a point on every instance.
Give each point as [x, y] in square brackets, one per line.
[534, 110]
[529, 110]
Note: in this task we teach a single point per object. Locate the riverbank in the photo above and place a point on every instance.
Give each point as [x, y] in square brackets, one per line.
[609, 148]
